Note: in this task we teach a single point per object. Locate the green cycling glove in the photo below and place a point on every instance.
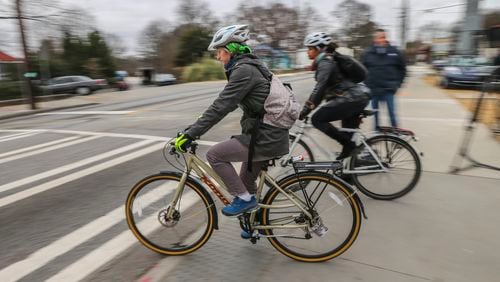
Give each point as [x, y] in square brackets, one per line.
[182, 143]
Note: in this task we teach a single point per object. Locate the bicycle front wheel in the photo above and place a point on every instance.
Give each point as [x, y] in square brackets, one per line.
[335, 222]
[398, 175]
[166, 229]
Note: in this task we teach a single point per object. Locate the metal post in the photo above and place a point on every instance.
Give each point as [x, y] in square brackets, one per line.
[25, 66]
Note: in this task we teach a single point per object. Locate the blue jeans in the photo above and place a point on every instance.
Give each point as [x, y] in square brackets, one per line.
[389, 99]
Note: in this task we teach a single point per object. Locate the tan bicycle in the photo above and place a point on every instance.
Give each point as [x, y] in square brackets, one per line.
[309, 216]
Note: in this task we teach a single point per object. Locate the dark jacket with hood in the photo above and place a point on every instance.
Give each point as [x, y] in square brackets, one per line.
[386, 69]
[330, 83]
[247, 88]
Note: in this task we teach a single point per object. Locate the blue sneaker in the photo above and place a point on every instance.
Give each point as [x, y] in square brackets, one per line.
[245, 235]
[239, 206]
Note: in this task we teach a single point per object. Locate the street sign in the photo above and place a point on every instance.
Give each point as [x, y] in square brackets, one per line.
[32, 74]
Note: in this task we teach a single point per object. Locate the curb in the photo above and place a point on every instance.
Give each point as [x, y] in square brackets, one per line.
[32, 112]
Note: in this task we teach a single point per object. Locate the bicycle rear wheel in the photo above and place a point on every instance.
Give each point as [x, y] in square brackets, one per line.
[402, 164]
[332, 230]
[190, 225]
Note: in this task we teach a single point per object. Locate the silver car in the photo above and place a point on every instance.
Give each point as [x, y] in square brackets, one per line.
[77, 84]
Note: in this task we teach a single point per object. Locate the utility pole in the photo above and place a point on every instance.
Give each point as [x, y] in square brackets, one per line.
[404, 23]
[471, 24]
[28, 89]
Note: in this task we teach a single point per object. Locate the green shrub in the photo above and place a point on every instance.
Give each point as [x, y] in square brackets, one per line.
[10, 90]
[206, 69]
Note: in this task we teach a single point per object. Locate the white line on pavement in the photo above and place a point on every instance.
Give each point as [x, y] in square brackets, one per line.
[64, 244]
[14, 135]
[38, 146]
[57, 182]
[443, 120]
[18, 136]
[105, 134]
[87, 113]
[111, 249]
[432, 101]
[69, 167]
[43, 150]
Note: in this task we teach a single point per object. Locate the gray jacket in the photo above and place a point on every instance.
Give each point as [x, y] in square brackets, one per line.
[247, 88]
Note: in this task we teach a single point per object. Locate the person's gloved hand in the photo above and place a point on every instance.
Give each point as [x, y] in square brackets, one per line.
[182, 142]
[303, 114]
[308, 107]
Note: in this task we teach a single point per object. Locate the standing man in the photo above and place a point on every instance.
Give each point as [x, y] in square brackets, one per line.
[386, 72]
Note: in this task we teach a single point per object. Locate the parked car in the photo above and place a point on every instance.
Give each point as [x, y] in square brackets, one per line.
[77, 84]
[439, 64]
[465, 71]
[120, 85]
[164, 79]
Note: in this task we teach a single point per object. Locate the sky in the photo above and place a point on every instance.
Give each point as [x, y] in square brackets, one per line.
[127, 18]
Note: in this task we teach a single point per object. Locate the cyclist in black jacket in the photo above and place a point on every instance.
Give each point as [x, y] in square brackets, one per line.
[345, 99]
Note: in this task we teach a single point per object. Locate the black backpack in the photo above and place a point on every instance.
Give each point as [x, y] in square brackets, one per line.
[351, 68]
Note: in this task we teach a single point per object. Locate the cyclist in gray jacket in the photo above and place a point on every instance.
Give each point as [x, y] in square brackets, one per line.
[247, 88]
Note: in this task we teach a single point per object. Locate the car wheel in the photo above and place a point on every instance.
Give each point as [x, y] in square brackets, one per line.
[445, 83]
[83, 90]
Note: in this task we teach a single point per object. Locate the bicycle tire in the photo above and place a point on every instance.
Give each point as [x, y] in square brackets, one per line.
[382, 144]
[141, 216]
[349, 231]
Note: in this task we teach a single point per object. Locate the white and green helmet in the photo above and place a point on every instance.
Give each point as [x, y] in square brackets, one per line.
[228, 34]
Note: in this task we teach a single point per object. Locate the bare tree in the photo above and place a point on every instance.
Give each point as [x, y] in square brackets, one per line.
[195, 12]
[279, 24]
[116, 44]
[149, 42]
[356, 26]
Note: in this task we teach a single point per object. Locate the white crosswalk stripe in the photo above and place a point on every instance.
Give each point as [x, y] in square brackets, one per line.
[116, 244]
[15, 152]
[17, 136]
[55, 183]
[72, 166]
[47, 149]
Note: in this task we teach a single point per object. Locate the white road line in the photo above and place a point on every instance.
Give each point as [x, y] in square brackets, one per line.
[64, 244]
[44, 150]
[88, 113]
[14, 135]
[38, 146]
[57, 182]
[440, 120]
[111, 249]
[432, 101]
[106, 134]
[69, 167]
[18, 136]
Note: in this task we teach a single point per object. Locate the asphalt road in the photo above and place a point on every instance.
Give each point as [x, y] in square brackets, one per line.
[64, 177]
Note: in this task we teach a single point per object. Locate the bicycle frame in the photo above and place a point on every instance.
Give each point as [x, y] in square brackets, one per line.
[204, 171]
[359, 139]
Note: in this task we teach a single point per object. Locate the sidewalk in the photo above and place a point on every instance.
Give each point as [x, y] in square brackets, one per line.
[439, 122]
[441, 231]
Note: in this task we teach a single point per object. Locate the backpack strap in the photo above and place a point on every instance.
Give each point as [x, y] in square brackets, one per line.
[258, 119]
